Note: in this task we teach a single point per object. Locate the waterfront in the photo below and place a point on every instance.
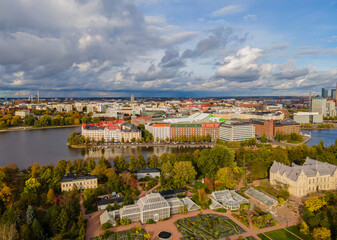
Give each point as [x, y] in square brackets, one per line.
[49, 146]
[328, 136]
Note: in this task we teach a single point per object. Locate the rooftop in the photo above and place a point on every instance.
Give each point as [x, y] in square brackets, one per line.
[72, 177]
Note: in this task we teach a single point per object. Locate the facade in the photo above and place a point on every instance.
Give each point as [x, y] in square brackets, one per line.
[319, 105]
[148, 172]
[325, 93]
[22, 114]
[130, 131]
[159, 131]
[82, 182]
[331, 108]
[270, 128]
[109, 130]
[313, 176]
[152, 206]
[211, 129]
[236, 131]
[186, 129]
[333, 93]
[308, 117]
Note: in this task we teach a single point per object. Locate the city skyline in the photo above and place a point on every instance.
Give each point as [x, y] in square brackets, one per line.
[156, 48]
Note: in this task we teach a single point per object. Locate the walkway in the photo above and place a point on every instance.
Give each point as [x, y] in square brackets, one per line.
[241, 184]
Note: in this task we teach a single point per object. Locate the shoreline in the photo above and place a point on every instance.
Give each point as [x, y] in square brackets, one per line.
[117, 145]
[37, 128]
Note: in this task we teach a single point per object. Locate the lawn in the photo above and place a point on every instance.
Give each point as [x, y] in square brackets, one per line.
[132, 234]
[281, 234]
[198, 185]
[294, 229]
[208, 226]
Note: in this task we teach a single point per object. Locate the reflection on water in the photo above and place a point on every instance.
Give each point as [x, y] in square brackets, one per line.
[49, 146]
[328, 136]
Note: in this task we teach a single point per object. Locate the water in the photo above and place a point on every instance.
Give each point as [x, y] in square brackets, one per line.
[328, 136]
[49, 146]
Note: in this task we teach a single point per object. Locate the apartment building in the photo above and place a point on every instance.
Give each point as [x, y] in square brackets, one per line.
[270, 128]
[236, 131]
[130, 131]
[159, 131]
[186, 129]
[211, 129]
[313, 176]
[82, 182]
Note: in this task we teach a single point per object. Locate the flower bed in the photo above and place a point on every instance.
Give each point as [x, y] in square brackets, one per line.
[208, 226]
[261, 219]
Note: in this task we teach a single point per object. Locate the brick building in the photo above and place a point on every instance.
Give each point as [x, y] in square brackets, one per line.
[270, 128]
[211, 129]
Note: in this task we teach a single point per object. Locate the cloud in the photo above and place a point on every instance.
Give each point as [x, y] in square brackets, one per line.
[228, 10]
[244, 71]
[250, 17]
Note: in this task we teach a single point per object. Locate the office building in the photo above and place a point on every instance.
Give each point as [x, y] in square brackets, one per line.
[333, 93]
[319, 105]
[325, 93]
[236, 131]
[313, 176]
[130, 132]
[159, 131]
[270, 128]
[308, 117]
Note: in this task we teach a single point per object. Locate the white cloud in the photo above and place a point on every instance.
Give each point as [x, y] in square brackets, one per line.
[228, 10]
[250, 17]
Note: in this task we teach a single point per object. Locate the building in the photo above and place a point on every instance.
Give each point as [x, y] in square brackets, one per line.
[22, 114]
[228, 199]
[325, 93]
[82, 182]
[129, 132]
[333, 93]
[132, 99]
[270, 128]
[104, 203]
[109, 130]
[152, 206]
[148, 172]
[186, 130]
[211, 129]
[331, 108]
[313, 176]
[236, 131]
[160, 131]
[319, 105]
[308, 117]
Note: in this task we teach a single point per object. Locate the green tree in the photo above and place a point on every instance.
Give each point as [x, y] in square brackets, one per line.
[132, 163]
[64, 220]
[30, 215]
[50, 197]
[263, 138]
[226, 176]
[183, 173]
[120, 163]
[37, 231]
[153, 161]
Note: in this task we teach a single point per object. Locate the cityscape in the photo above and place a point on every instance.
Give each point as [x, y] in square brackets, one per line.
[172, 120]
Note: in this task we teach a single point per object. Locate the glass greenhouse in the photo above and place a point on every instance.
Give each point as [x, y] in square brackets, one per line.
[228, 198]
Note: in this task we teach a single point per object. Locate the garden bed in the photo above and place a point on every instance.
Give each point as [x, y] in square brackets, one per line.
[208, 226]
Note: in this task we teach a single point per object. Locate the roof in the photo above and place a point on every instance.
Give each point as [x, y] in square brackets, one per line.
[149, 170]
[310, 168]
[111, 201]
[152, 201]
[169, 192]
[72, 177]
[128, 127]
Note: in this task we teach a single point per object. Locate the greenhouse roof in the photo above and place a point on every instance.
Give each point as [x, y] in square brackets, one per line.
[152, 201]
[130, 209]
[174, 202]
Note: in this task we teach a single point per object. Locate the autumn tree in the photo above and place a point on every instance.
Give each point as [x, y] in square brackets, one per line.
[321, 233]
[315, 203]
[226, 176]
[153, 161]
[50, 197]
[183, 173]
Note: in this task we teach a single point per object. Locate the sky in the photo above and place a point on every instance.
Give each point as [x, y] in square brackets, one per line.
[168, 48]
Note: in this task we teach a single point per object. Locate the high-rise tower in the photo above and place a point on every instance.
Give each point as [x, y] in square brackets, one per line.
[132, 99]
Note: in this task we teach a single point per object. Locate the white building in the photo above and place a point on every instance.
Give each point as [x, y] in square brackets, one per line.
[159, 131]
[236, 131]
[22, 114]
[319, 105]
[331, 108]
[308, 117]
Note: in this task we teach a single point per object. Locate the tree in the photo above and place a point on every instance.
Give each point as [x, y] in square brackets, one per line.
[30, 215]
[315, 203]
[304, 229]
[141, 163]
[278, 136]
[321, 233]
[64, 220]
[9, 232]
[50, 197]
[34, 170]
[120, 163]
[5, 194]
[153, 161]
[37, 231]
[263, 138]
[183, 172]
[132, 163]
[226, 177]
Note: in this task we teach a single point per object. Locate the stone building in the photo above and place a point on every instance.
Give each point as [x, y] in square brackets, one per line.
[82, 182]
[313, 176]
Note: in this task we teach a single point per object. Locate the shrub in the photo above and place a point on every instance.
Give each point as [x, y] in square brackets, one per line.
[106, 226]
[150, 221]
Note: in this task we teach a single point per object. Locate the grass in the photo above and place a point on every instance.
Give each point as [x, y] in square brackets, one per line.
[281, 234]
[295, 229]
[222, 210]
[198, 185]
[262, 236]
